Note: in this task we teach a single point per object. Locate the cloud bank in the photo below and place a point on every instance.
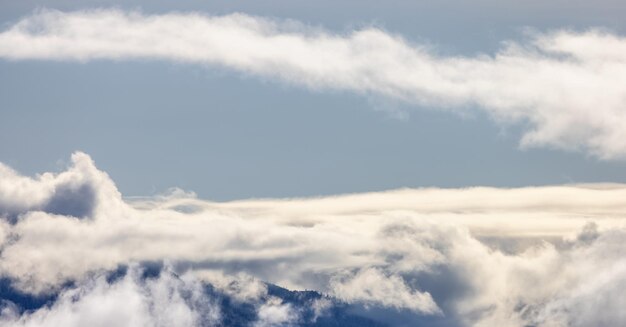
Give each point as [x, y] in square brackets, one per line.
[545, 256]
[567, 89]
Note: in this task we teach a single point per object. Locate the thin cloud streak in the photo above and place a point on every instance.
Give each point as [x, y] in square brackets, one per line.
[568, 89]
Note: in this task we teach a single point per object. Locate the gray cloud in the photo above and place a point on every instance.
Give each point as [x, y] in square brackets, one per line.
[567, 88]
[75, 201]
[73, 193]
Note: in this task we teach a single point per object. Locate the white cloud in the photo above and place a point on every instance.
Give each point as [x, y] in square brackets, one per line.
[275, 313]
[422, 251]
[371, 285]
[162, 302]
[567, 88]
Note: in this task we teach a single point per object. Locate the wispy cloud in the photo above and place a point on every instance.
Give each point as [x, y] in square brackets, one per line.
[567, 88]
[432, 252]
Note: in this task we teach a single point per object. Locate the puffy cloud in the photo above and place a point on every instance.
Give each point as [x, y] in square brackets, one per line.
[371, 285]
[431, 254]
[131, 301]
[75, 192]
[276, 313]
[567, 88]
[582, 286]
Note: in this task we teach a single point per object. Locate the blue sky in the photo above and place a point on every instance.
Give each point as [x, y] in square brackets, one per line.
[155, 124]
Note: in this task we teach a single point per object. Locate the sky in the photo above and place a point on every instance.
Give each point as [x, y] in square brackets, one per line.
[227, 134]
[291, 163]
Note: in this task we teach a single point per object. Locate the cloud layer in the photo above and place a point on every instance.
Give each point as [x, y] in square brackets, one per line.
[568, 89]
[550, 256]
